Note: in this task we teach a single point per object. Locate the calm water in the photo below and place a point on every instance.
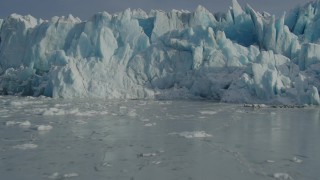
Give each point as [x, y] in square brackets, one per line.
[41, 138]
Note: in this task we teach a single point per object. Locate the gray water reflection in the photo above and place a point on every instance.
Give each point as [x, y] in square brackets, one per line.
[147, 140]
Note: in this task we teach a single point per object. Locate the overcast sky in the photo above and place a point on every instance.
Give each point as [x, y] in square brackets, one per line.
[86, 8]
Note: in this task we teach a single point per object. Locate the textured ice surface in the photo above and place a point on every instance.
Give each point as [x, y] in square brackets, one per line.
[239, 56]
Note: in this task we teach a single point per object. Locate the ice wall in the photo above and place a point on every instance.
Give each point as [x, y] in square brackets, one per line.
[240, 56]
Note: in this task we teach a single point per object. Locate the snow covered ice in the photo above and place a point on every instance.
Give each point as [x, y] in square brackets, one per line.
[241, 56]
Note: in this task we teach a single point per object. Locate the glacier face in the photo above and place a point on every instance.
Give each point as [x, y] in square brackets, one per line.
[241, 56]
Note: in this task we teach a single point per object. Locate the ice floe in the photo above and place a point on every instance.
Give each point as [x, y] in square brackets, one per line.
[25, 146]
[192, 134]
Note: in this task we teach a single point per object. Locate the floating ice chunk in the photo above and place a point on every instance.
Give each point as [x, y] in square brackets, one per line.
[156, 162]
[25, 124]
[282, 176]
[240, 111]
[296, 160]
[4, 110]
[270, 161]
[61, 105]
[143, 103]
[61, 112]
[70, 175]
[103, 112]
[208, 112]
[193, 134]
[255, 105]
[25, 146]
[16, 103]
[57, 175]
[86, 113]
[126, 111]
[53, 111]
[77, 112]
[150, 124]
[54, 176]
[160, 151]
[132, 113]
[122, 109]
[10, 123]
[165, 102]
[44, 128]
[20, 103]
[106, 164]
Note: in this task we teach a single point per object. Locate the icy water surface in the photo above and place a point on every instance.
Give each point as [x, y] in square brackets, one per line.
[41, 138]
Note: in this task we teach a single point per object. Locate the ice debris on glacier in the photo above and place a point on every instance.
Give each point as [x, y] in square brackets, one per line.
[240, 56]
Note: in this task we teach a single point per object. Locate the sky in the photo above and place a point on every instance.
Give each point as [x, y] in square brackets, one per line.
[84, 9]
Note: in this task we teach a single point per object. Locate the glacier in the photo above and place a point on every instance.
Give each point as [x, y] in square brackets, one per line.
[241, 56]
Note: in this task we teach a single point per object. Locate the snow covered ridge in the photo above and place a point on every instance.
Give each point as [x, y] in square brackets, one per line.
[241, 56]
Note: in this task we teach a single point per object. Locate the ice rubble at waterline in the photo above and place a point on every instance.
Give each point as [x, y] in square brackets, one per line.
[241, 56]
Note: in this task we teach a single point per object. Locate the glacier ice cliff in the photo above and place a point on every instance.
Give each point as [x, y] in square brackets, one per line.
[241, 56]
